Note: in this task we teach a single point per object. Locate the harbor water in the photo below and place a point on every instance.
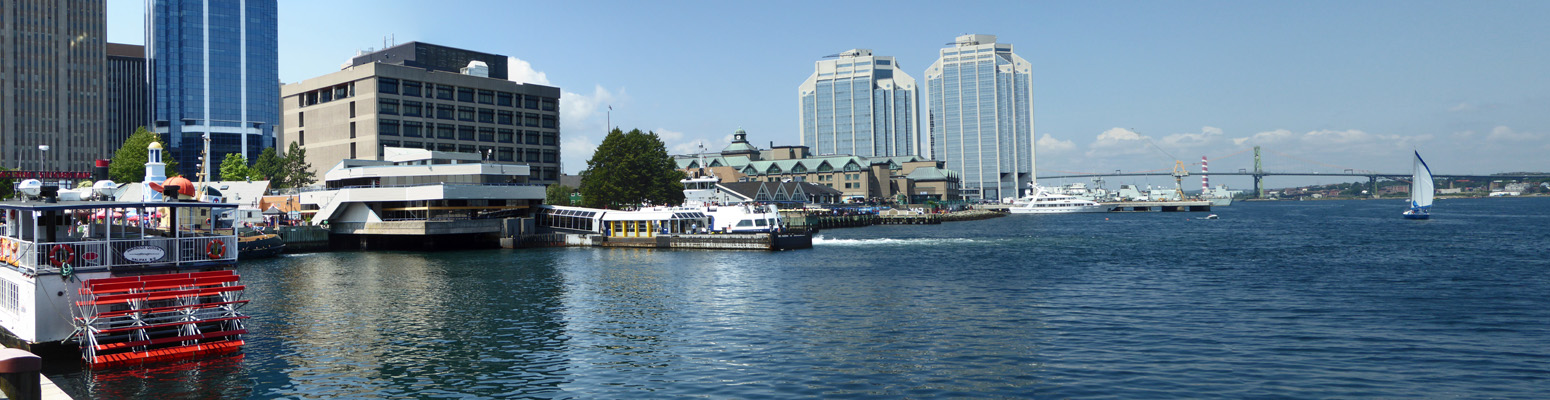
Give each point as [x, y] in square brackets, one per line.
[1319, 299]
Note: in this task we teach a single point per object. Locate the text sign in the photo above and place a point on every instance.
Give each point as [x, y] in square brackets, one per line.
[44, 175]
[144, 254]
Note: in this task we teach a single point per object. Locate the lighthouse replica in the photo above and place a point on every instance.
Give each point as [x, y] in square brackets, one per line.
[155, 172]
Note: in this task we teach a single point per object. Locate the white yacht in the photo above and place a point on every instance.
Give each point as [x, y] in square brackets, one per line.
[1041, 201]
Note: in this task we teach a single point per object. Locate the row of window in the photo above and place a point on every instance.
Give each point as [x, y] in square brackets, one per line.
[324, 95]
[466, 95]
[389, 127]
[498, 153]
[409, 108]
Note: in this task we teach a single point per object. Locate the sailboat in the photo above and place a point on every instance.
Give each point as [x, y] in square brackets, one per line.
[1420, 190]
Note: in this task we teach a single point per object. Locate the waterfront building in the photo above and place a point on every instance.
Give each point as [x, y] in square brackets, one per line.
[417, 195]
[859, 104]
[980, 100]
[128, 100]
[215, 76]
[856, 178]
[51, 94]
[367, 107]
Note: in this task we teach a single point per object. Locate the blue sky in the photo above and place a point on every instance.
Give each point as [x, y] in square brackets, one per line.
[1322, 85]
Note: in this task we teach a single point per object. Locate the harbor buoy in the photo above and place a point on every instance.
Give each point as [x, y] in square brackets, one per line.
[216, 249]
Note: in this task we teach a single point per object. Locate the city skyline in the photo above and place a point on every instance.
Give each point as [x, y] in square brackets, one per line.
[1320, 85]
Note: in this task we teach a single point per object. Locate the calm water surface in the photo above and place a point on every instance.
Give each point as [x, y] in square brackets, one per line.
[1329, 299]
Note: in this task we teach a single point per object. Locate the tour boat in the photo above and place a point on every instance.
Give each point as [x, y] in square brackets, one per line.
[128, 281]
[1421, 190]
[1044, 202]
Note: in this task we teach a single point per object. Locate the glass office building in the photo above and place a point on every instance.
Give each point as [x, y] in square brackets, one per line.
[980, 118]
[214, 71]
[859, 104]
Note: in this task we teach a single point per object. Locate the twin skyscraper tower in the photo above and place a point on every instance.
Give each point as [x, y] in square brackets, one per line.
[978, 116]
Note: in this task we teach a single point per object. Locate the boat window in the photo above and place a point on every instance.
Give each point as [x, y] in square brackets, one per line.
[745, 223]
[762, 222]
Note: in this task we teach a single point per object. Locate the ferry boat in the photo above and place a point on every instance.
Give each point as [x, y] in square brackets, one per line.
[1044, 202]
[126, 281]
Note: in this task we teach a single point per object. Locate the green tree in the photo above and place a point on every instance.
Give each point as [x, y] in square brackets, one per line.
[268, 166]
[558, 195]
[295, 169]
[629, 169]
[235, 168]
[6, 186]
[129, 161]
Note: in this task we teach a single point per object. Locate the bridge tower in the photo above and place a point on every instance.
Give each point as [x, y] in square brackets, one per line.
[1259, 176]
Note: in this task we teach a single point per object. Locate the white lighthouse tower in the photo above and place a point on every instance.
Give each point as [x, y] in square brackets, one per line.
[155, 172]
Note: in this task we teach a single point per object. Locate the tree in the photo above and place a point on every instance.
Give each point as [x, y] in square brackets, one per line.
[6, 186]
[268, 166]
[558, 195]
[295, 169]
[129, 161]
[631, 169]
[235, 168]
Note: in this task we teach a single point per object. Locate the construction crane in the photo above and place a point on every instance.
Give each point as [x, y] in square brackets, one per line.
[1178, 178]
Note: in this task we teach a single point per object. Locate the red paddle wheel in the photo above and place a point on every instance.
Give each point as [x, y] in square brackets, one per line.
[149, 317]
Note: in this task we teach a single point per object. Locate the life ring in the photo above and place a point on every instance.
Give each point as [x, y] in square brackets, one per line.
[216, 249]
[61, 254]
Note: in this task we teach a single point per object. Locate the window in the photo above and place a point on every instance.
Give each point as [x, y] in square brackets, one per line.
[447, 147]
[444, 131]
[301, 138]
[410, 108]
[487, 134]
[549, 105]
[486, 97]
[503, 99]
[550, 156]
[466, 148]
[389, 143]
[504, 135]
[465, 113]
[352, 149]
[465, 132]
[530, 102]
[549, 121]
[445, 111]
[444, 92]
[414, 145]
[412, 88]
[532, 155]
[549, 139]
[352, 129]
[465, 95]
[387, 127]
[341, 91]
[387, 85]
[486, 115]
[532, 137]
[504, 154]
[531, 119]
[503, 117]
[301, 119]
[352, 109]
[411, 129]
[385, 106]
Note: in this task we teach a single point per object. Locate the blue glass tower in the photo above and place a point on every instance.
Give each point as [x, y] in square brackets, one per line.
[980, 97]
[859, 104]
[215, 71]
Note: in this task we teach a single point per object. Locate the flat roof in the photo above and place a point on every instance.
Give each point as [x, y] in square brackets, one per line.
[79, 205]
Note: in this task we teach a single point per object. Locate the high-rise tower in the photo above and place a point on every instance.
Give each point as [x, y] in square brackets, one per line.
[51, 65]
[214, 69]
[859, 104]
[980, 97]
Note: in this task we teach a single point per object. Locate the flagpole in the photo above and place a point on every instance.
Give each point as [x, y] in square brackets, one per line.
[610, 126]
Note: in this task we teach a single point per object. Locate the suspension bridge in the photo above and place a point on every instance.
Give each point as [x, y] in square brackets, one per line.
[1259, 174]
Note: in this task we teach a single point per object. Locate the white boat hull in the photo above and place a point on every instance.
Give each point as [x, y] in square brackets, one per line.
[1059, 210]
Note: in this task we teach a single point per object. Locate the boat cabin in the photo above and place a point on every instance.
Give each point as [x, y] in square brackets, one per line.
[84, 236]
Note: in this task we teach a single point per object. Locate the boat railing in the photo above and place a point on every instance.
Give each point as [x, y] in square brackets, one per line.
[90, 255]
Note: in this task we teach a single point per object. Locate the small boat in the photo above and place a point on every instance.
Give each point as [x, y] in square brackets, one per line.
[255, 244]
[1421, 190]
[1044, 202]
[1212, 216]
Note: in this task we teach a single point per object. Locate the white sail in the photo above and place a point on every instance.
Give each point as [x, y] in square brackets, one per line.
[1421, 188]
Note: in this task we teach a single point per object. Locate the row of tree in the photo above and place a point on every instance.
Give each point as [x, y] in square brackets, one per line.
[288, 171]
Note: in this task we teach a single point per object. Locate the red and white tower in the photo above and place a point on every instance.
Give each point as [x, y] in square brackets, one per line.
[1205, 177]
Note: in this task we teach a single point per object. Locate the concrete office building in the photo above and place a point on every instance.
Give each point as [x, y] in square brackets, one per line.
[51, 91]
[214, 71]
[859, 104]
[357, 112]
[980, 100]
[128, 100]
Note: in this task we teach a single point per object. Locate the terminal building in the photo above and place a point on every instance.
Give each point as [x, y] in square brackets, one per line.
[415, 95]
[908, 179]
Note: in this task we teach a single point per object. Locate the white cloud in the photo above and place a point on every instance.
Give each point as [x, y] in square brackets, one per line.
[1505, 134]
[1117, 142]
[575, 150]
[1461, 107]
[1274, 136]
[1327, 136]
[1207, 135]
[1050, 145]
[521, 71]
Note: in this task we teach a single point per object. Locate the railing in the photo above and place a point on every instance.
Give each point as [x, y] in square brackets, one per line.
[95, 255]
[408, 185]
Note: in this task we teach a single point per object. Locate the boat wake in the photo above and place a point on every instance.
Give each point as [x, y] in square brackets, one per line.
[823, 241]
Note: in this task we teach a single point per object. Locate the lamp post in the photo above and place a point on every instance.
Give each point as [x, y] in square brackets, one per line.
[42, 157]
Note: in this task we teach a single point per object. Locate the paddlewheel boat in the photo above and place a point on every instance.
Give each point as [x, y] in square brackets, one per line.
[127, 282]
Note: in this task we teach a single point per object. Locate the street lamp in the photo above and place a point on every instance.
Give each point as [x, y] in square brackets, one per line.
[42, 155]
